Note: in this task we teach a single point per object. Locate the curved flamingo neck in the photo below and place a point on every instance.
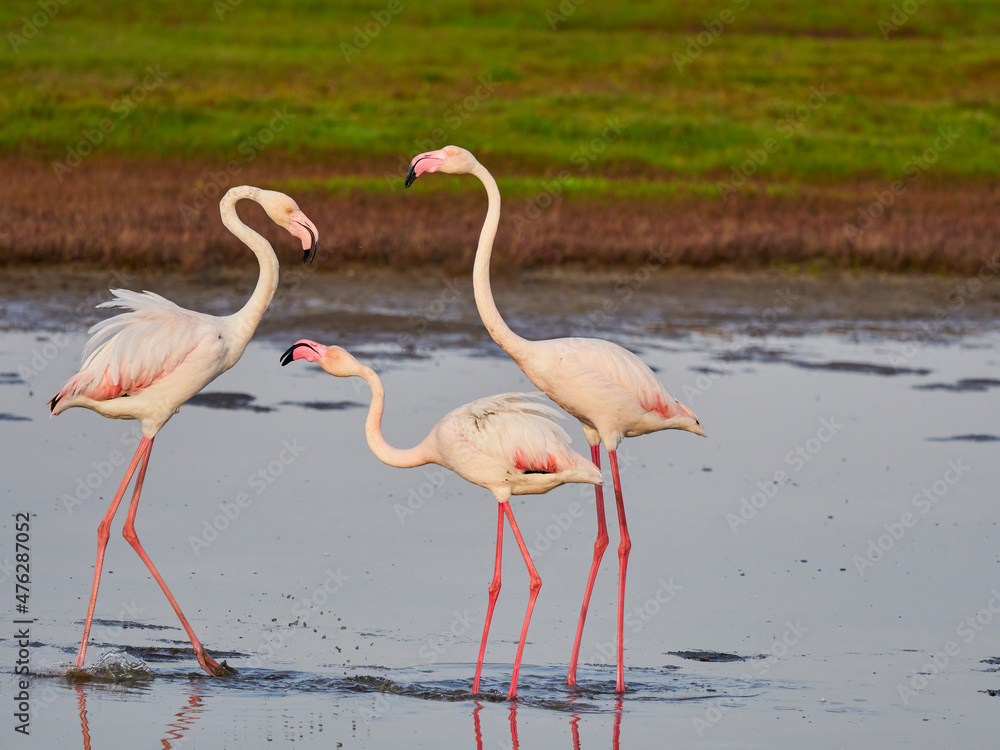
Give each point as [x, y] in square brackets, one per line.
[251, 313]
[387, 454]
[509, 341]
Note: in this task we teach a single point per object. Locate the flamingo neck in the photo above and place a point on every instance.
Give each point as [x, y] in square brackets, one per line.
[387, 454]
[509, 341]
[251, 313]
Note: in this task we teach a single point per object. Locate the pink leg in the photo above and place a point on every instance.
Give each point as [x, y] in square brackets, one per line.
[207, 662]
[494, 592]
[599, 546]
[623, 549]
[534, 587]
[103, 533]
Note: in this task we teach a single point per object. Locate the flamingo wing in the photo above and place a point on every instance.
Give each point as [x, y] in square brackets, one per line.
[517, 430]
[130, 351]
[603, 365]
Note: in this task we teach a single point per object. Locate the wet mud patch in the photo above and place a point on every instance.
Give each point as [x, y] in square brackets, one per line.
[231, 401]
[126, 624]
[324, 405]
[975, 438]
[712, 656]
[545, 687]
[965, 385]
[776, 356]
[862, 368]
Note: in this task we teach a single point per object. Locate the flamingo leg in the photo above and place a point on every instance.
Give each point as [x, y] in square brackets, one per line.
[103, 534]
[599, 546]
[534, 587]
[494, 592]
[207, 662]
[624, 546]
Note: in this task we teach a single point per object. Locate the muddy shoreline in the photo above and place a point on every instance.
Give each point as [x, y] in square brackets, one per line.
[134, 213]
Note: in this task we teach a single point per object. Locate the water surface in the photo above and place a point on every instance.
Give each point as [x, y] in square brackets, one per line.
[822, 571]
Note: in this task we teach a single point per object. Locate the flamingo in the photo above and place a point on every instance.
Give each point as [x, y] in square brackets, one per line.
[508, 444]
[144, 363]
[609, 389]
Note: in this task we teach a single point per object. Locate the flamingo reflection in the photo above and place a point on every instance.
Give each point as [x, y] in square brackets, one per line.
[574, 727]
[184, 719]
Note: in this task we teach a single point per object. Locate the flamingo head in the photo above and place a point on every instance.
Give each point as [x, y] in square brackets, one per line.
[450, 159]
[686, 420]
[334, 359]
[286, 214]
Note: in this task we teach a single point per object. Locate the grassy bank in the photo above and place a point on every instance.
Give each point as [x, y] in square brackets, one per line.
[780, 106]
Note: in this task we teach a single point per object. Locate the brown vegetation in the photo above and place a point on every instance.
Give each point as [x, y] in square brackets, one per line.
[128, 213]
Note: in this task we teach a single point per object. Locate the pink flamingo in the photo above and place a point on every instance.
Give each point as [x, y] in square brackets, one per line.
[611, 391]
[144, 363]
[508, 444]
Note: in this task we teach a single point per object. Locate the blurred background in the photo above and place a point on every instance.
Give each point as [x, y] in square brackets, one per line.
[746, 133]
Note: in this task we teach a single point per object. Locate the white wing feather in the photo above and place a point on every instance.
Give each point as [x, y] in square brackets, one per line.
[130, 350]
[516, 429]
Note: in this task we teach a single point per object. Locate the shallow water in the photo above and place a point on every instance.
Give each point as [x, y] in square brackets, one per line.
[836, 533]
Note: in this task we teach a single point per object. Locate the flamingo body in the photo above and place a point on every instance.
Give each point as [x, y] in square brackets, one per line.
[145, 362]
[612, 392]
[609, 389]
[157, 354]
[509, 444]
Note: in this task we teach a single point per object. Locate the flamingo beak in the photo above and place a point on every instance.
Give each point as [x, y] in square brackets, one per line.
[300, 226]
[289, 353]
[431, 161]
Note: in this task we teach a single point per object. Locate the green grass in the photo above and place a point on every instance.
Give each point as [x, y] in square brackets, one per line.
[413, 87]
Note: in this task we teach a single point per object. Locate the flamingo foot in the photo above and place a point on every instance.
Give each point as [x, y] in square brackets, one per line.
[213, 667]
